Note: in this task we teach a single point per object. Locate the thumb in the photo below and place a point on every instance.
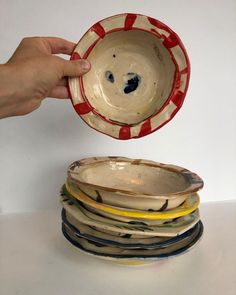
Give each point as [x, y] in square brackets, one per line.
[75, 68]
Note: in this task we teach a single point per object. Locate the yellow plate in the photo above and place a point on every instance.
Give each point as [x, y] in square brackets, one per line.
[191, 204]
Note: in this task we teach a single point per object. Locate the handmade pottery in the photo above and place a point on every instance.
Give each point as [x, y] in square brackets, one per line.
[189, 205]
[125, 242]
[138, 79]
[114, 252]
[134, 184]
[128, 219]
[81, 214]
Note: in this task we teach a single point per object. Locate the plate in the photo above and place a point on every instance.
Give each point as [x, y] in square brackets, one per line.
[189, 205]
[138, 79]
[129, 219]
[127, 242]
[81, 214]
[113, 252]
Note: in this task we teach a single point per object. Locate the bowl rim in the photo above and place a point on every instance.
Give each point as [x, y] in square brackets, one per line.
[171, 105]
[195, 182]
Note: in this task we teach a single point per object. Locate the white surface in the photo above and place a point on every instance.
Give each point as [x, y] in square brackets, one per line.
[35, 150]
[36, 259]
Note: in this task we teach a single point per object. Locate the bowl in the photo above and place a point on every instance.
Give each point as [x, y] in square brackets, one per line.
[138, 79]
[131, 183]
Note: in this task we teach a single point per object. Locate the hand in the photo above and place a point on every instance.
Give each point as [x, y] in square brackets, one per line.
[34, 73]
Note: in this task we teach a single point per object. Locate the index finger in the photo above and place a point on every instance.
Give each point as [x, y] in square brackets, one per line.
[59, 45]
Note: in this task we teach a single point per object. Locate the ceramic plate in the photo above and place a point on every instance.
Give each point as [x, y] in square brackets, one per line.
[190, 205]
[138, 79]
[107, 251]
[133, 183]
[89, 233]
[179, 226]
[129, 219]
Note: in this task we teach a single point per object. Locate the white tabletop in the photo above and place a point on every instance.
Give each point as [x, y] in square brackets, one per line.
[36, 259]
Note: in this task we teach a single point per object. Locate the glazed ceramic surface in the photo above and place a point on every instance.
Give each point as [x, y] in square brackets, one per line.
[126, 242]
[81, 214]
[189, 205]
[128, 219]
[134, 184]
[108, 251]
[138, 79]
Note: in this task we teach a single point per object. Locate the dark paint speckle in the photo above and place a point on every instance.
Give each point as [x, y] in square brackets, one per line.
[109, 76]
[132, 83]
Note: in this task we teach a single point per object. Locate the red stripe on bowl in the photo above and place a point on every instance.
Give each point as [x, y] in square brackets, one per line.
[83, 108]
[146, 128]
[178, 98]
[124, 132]
[129, 21]
[99, 30]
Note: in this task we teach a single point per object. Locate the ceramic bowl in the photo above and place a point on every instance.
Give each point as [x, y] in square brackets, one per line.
[118, 228]
[83, 231]
[114, 252]
[138, 79]
[133, 184]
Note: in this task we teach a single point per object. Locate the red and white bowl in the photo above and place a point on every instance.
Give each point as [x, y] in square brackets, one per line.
[138, 79]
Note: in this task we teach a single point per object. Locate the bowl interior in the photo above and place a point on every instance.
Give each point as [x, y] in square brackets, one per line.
[141, 178]
[131, 76]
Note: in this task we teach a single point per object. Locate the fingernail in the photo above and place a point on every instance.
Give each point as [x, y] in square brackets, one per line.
[85, 64]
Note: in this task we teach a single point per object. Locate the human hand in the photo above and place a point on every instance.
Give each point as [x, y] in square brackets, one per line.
[34, 73]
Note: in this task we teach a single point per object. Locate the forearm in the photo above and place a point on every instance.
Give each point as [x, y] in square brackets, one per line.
[7, 92]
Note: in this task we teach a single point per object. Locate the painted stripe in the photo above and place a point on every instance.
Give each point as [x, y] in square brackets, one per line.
[145, 128]
[75, 55]
[171, 41]
[99, 30]
[124, 132]
[129, 21]
[178, 99]
[83, 108]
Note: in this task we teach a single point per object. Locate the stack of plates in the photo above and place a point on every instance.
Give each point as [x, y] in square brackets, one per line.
[130, 211]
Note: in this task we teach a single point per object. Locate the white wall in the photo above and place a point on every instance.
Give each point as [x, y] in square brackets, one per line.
[35, 150]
